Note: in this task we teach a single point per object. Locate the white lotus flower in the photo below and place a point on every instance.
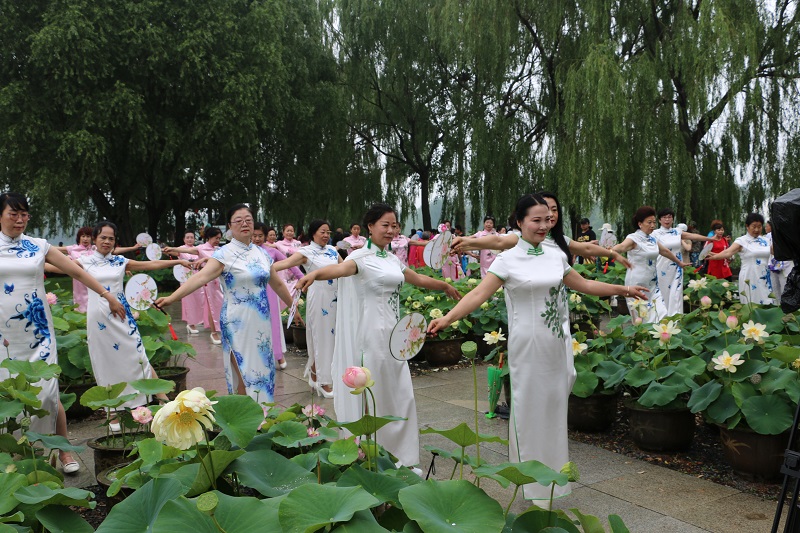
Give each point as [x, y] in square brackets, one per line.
[494, 337]
[697, 284]
[578, 347]
[436, 313]
[180, 422]
[756, 332]
[664, 332]
[727, 361]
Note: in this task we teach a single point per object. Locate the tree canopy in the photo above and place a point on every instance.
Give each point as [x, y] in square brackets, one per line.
[142, 112]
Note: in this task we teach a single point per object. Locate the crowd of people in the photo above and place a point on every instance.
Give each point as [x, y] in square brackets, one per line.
[353, 284]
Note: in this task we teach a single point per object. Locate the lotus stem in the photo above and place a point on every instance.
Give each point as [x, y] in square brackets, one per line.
[477, 435]
[375, 432]
[214, 519]
[513, 498]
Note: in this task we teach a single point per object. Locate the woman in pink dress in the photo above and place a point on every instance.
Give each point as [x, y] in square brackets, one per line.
[212, 303]
[82, 246]
[192, 305]
[289, 244]
[355, 240]
[400, 247]
[260, 230]
[486, 257]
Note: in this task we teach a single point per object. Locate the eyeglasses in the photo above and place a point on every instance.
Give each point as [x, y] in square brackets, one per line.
[242, 221]
[19, 216]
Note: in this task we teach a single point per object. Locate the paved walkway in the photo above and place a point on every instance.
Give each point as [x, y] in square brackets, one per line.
[648, 498]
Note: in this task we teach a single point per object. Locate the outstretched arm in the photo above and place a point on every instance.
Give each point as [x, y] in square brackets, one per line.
[341, 270]
[67, 266]
[211, 271]
[729, 252]
[468, 303]
[488, 242]
[119, 250]
[140, 266]
[666, 252]
[427, 282]
[576, 282]
[589, 249]
[279, 287]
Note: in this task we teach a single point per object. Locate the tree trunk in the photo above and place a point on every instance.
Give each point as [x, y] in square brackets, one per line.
[424, 182]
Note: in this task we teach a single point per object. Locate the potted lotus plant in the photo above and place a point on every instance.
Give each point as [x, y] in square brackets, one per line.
[750, 388]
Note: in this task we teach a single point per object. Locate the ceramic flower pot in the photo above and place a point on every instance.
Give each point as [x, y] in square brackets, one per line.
[109, 451]
[107, 477]
[177, 374]
[660, 430]
[299, 336]
[752, 455]
[592, 414]
[440, 353]
[288, 335]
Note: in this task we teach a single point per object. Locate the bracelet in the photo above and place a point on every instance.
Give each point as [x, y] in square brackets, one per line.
[104, 293]
[627, 291]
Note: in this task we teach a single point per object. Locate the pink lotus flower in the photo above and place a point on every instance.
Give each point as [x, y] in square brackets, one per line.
[312, 432]
[361, 454]
[637, 321]
[357, 378]
[142, 415]
[5, 343]
[731, 322]
[705, 301]
[52, 299]
[313, 410]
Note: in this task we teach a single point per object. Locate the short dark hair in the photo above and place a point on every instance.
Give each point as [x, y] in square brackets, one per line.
[212, 232]
[375, 212]
[260, 226]
[664, 212]
[753, 217]
[314, 226]
[716, 224]
[86, 230]
[13, 200]
[237, 207]
[490, 217]
[642, 214]
[104, 224]
[584, 220]
[356, 224]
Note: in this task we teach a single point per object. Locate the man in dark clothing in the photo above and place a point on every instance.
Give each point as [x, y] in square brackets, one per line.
[586, 235]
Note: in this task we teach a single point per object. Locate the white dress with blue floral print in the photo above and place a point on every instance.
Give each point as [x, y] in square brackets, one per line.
[245, 318]
[115, 346]
[643, 258]
[25, 319]
[321, 311]
[670, 274]
[755, 284]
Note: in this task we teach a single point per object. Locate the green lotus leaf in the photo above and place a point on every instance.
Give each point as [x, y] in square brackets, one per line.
[365, 425]
[768, 415]
[703, 396]
[239, 418]
[9, 483]
[41, 494]
[270, 473]
[343, 452]
[151, 387]
[331, 504]
[446, 506]
[585, 384]
[661, 394]
[384, 488]
[524, 473]
[60, 519]
[33, 371]
[139, 511]
[536, 520]
[463, 435]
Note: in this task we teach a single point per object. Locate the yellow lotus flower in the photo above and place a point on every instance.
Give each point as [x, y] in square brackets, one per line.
[429, 298]
[436, 313]
[575, 298]
[485, 305]
[472, 281]
[756, 332]
[578, 347]
[180, 422]
[455, 324]
[494, 337]
[796, 364]
[664, 332]
[727, 361]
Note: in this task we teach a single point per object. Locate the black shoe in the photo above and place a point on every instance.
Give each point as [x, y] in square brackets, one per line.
[503, 411]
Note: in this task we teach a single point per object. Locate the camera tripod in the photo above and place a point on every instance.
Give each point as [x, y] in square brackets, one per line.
[791, 474]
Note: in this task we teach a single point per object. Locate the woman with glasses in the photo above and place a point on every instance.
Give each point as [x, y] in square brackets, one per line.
[246, 271]
[643, 252]
[26, 326]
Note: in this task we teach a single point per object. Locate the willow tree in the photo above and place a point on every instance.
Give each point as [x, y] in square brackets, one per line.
[688, 104]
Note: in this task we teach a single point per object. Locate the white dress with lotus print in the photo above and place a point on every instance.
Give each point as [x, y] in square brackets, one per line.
[755, 284]
[670, 274]
[115, 346]
[25, 320]
[539, 367]
[245, 318]
[643, 258]
[369, 308]
[320, 311]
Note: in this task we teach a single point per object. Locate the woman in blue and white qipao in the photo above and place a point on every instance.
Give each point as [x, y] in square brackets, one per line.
[245, 270]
